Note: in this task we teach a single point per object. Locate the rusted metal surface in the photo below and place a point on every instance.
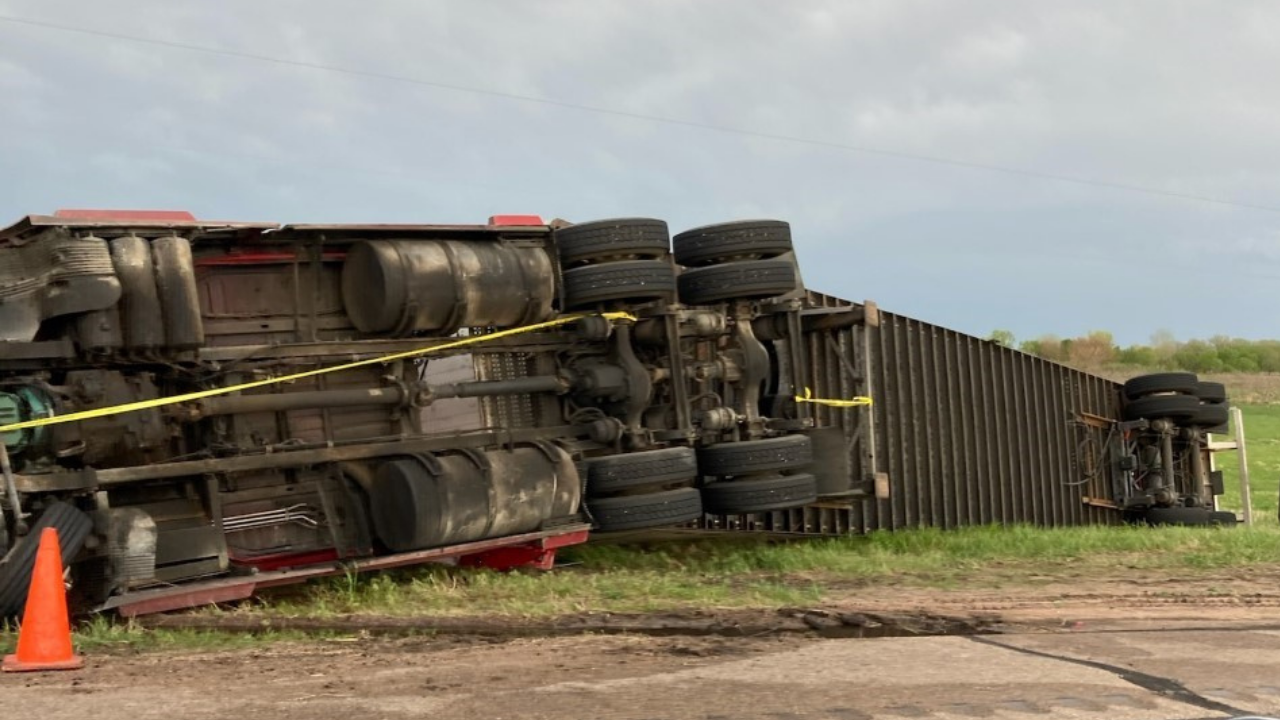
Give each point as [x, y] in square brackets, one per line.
[968, 432]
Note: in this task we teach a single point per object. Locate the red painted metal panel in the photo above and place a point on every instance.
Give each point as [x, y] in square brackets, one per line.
[510, 558]
[515, 220]
[125, 215]
[279, 561]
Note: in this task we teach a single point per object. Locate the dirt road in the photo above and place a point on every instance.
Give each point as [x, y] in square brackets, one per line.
[1128, 674]
[1150, 653]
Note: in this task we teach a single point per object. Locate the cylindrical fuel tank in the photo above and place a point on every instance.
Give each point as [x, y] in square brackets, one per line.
[139, 302]
[423, 501]
[399, 287]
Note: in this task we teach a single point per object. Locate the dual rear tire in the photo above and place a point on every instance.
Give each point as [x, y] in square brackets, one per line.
[625, 260]
[655, 488]
[1180, 397]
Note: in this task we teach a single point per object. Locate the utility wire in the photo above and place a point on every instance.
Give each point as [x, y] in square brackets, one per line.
[598, 110]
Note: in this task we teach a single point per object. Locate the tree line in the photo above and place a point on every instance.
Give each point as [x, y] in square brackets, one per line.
[1098, 349]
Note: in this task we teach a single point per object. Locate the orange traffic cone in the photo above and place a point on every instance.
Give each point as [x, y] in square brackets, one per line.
[44, 640]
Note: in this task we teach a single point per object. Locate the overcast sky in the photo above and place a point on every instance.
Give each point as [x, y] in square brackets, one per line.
[1175, 97]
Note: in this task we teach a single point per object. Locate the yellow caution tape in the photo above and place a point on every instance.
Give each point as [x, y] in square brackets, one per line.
[201, 394]
[808, 397]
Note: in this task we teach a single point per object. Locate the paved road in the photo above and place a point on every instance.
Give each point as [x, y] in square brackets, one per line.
[1114, 674]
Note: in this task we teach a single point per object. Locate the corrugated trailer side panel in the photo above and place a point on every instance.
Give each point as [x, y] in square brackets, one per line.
[968, 432]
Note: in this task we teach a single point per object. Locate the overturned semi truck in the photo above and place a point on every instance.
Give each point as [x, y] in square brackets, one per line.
[203, 408]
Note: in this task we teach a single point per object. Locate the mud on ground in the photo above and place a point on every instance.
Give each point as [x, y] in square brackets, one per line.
[1026, 604]
[871, 652]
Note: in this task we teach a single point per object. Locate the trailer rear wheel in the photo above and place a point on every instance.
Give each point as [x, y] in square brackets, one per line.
[1211, 392]
[629, 280]
[73, 527]
[649, 468]
[788, 452]
[1172, 382]
[746, 280]
[1189, 516]
[1209, 415]
[616, 239]
[637, 512]
[752, 495]
[724, 242]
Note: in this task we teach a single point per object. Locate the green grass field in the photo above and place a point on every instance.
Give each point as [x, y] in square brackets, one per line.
[1262, 442]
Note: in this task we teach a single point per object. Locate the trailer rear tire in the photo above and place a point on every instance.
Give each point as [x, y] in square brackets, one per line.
[788, 452]
[1189, 516]
[628, 280]
[638, 512]
[1156, 407]
[1211, 392]
[1156, 383]
[748, 280]
[753, 495]
[648, 468]
[73, 527]
[615, 239]
[724, 242]
[1209, 415]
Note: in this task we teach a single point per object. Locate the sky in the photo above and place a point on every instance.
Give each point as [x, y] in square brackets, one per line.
[1046, 168]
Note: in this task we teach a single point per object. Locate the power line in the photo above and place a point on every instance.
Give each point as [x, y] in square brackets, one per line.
[598, 110]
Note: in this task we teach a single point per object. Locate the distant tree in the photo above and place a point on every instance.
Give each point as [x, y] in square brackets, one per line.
[1198, 356]
[1003, 337]
[1048, 347]
[1096, 349]
[1220, 353]
[1165, 345]
[1142, 356]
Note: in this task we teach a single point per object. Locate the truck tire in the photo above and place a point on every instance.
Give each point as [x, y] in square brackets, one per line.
[616, 239]
[73, 527]
[1189, 516]
[629, 280]
[1211, 392]
[1173, 382]
[652, 467]
[753, 495]
[1156, 407]
[1209, 415]
[743, 240]
[788, 452]
[746, 280]
[638, 512]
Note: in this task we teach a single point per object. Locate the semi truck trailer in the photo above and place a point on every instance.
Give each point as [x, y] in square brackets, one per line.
[206, 408]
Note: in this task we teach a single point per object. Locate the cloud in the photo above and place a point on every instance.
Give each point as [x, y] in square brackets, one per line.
[1176, 98]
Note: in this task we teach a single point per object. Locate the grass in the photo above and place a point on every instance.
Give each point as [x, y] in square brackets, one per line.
[737, 573]
[1262, 441]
